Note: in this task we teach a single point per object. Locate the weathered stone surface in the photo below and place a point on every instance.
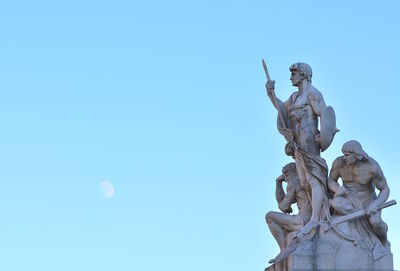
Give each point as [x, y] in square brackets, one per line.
[338, 227]
[283, 224]
[331, 256]
[298, 123]
[328, 250]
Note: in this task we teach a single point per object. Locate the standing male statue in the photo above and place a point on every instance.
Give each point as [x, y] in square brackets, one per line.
[284, 224]
[340, 232]
[360, 175]
[298, 122]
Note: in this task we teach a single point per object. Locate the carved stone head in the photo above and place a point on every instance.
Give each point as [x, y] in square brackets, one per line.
[289, 171]
[299, 72]
[353, 152]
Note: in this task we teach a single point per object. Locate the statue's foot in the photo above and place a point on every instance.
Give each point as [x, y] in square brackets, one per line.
[307, 228]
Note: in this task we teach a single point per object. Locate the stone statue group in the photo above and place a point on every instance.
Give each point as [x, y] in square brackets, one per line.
[337, 227]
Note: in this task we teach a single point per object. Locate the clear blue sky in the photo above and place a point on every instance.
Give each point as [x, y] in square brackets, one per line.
[166, 100]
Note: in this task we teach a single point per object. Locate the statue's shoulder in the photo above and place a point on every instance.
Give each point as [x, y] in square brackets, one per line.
[374, 166]
[314, 93]
[338, 163]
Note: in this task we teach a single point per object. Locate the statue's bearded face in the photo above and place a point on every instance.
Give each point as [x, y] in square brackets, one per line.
[296, 78]
[287, 174]
[349, 157]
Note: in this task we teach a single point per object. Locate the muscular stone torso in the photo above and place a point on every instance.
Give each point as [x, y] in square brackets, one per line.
[303, 122]
[358, 181]
[303, 202]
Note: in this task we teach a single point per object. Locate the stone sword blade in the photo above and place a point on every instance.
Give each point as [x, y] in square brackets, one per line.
[273, 94]
[354, 215]
[266, 70]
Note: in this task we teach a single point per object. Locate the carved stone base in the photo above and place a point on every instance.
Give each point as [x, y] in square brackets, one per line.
[298, 262]
[328, 251]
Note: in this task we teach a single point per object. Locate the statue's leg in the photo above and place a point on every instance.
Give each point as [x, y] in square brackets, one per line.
[342, 205]
[279, 225]
[293, 231]
[317, 200]
[379, 227]
[301, 172]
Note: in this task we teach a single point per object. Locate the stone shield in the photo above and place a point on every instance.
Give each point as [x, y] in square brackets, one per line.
[328, 127]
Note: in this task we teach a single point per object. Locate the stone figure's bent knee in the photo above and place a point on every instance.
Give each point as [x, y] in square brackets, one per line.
[285, 221]
[341, 205]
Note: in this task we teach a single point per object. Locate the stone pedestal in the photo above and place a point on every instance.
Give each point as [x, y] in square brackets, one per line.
[328, 251]
[298, 262]
[350, 233]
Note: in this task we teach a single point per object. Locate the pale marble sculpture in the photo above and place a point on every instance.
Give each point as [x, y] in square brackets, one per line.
[298, 122]
[283, 225]
[345, 231]
[360, 175]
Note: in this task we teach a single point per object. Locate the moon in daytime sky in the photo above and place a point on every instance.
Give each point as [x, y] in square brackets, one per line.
[106, 189]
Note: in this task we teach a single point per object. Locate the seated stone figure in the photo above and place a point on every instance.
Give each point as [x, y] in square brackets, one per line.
[360, 175]
[282, 224]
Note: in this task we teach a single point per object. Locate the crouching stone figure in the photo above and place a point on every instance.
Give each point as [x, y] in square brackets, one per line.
[284, 225]
[360, 175]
